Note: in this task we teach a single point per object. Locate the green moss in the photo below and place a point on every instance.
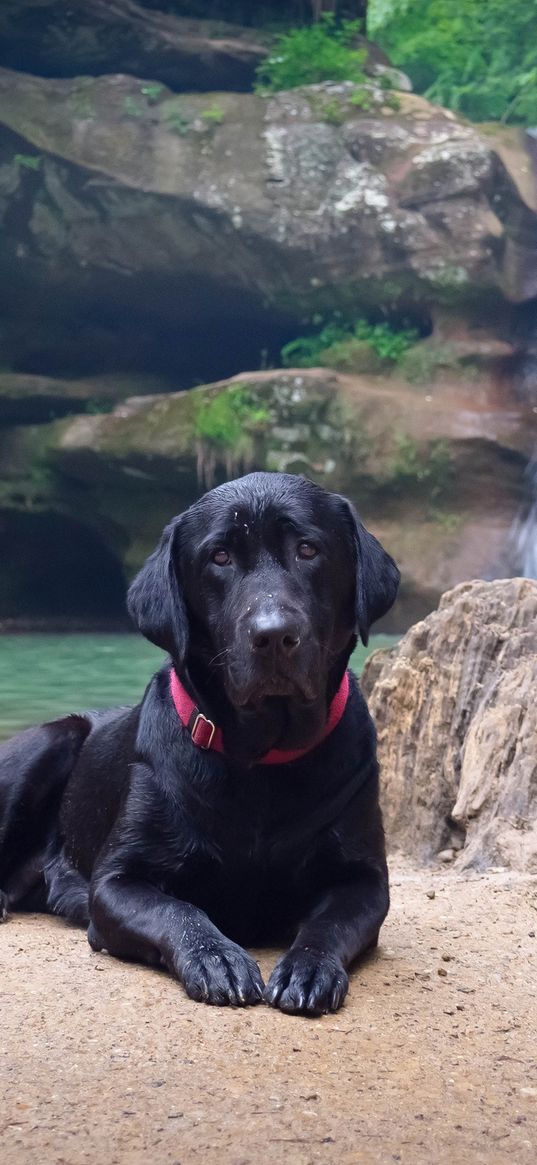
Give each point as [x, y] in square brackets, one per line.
[28, 161]
[132, 107]
[153, 90]
[214, 115]
[422, 362]
[352, 355]
[362, 99]
[447, 521]
[330, 109]
[224, 419]
[428, 469]
[177, 122]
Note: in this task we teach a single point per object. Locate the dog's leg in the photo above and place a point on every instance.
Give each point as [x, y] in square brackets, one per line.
[312, 976]
[136, 921]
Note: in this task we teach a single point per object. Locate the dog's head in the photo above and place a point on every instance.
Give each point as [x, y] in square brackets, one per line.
[264, 582]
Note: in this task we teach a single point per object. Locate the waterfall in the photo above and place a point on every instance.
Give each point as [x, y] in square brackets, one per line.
[524, 532]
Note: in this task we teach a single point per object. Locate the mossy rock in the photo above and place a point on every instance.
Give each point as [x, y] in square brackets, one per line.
[355, 356]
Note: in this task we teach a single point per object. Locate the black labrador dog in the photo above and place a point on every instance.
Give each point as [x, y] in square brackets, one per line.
[238, 803]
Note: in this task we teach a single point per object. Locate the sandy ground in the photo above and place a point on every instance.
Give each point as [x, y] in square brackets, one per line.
[433, 1059]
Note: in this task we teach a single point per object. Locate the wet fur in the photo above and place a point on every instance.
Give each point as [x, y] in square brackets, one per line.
[178, 857]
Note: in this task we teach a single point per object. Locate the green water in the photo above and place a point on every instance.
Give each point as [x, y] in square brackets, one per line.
[43, 676]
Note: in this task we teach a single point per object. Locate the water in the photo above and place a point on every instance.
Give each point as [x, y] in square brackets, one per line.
[43, 676]
[524, 532]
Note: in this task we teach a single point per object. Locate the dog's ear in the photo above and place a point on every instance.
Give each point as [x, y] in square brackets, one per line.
[377, 576]
[155, 601]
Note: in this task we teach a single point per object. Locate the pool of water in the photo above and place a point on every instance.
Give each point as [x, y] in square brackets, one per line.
[43, 676]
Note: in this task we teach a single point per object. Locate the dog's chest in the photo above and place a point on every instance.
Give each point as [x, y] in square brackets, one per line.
[251, 851]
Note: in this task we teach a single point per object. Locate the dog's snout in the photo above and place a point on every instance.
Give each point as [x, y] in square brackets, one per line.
[274, 632]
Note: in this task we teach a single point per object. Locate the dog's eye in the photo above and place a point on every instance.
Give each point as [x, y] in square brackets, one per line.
[306, 550]
[221, 557]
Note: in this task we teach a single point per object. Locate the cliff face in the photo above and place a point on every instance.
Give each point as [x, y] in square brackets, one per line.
[128, 208]
[158, 238]
[454, 708]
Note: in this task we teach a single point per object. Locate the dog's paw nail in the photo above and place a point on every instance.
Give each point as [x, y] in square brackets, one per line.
[308, 983]
[226, 976]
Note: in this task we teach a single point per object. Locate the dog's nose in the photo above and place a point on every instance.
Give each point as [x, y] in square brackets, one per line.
[274, 632]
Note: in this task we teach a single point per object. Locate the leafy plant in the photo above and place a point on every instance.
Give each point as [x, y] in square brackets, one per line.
[305, 351]
[388, 343]
[29, 161]
[178, 123]
[153, 90]
[214, 115]
[332, 112]
[224, 418]
[475, 57]
[319, 52]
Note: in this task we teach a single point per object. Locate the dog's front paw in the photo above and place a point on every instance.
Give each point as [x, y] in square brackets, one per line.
[307, 981]
[222, 974]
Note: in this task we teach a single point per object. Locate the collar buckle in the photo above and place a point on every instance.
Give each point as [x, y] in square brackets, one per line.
[202, 731]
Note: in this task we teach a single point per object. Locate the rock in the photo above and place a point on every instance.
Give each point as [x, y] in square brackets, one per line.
[244, 209]
[395, 78]
[437, 475]
[457, 725]
[106, 36]
[27, 399]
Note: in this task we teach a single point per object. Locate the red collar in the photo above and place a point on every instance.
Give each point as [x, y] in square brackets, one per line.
[206, 735]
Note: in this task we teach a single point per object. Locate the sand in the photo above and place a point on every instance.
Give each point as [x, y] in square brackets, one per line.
[433, 1059]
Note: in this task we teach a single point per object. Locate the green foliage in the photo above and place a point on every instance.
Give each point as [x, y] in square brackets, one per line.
[223, 419]
[153, 90]
[364, 98]
[422, 363]
[214, 115]
[478, 57]
[306, 351]
[339, 339]
[388, 343]
[28, 161]
[313, 53]
[177, 122]
[332, 112]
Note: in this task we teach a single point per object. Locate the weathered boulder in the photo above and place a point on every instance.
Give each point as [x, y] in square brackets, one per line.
[108, 36]
[454, 705]
[436, 471]
[258, 212]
